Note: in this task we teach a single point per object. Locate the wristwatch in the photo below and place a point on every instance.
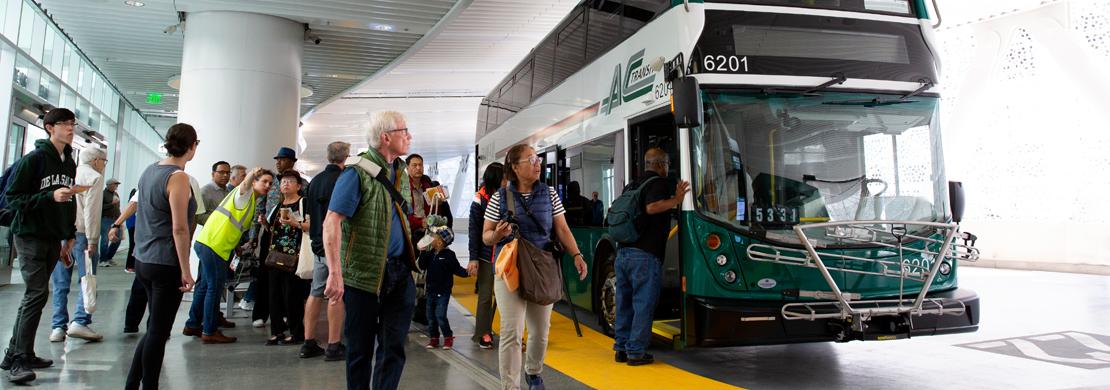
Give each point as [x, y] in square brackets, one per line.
[116, 226]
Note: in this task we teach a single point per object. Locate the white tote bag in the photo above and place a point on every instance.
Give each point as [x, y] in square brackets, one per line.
[88, 286]
[306, 258]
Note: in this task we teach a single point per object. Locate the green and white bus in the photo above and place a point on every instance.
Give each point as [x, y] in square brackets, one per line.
[809, 130]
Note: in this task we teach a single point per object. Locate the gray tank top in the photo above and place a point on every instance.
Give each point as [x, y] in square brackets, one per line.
[154, 223]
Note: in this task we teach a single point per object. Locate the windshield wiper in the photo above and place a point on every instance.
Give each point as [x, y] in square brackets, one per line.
[837, 78]
[878, 101]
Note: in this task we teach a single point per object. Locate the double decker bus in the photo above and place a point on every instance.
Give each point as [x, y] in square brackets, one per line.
[809, 131]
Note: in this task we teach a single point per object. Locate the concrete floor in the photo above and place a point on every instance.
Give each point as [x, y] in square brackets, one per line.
[247, 364]
[1039, 330]
[1023, 312]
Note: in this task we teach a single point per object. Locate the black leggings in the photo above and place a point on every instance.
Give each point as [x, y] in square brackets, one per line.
[136, 305]
[287, 296]
[130, 248]
[161, 283]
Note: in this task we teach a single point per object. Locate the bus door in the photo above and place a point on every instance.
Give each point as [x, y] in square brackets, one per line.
[657, 129]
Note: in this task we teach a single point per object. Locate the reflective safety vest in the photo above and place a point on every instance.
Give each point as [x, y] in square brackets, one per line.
[226, 225]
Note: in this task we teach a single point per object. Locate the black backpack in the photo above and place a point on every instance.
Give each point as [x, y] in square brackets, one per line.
[7, 214]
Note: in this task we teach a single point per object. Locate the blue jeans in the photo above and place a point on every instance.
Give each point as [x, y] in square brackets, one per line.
[61, 278]
[361, 330]
[437, 315]
[638, 283]
[394, 317]
[204, 313]
[107, 247]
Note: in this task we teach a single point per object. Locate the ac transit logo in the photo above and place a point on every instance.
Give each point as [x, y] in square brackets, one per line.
[637, 81]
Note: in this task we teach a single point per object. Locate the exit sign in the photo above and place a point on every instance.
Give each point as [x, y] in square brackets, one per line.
[154, 98]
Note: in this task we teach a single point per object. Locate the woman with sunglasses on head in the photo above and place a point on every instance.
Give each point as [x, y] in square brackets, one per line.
[534, 198]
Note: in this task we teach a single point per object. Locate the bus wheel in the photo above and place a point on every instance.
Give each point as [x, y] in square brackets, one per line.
[607, 297]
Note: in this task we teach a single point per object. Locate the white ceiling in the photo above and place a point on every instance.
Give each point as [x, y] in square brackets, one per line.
[439, 87]
[437, 84]
[128, 43]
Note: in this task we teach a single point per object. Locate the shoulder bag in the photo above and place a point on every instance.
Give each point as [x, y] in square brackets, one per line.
[540, 279]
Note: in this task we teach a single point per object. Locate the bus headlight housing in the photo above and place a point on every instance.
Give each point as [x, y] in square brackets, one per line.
[730, 276]
[722, 260]
[945, 268]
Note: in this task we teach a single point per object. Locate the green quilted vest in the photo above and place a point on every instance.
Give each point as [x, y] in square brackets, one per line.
[365, 239]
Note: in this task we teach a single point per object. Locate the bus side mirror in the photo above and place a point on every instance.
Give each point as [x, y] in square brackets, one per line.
[685, 104]
[956, 200]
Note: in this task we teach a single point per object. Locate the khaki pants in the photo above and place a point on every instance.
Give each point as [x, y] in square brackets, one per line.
[515, 314]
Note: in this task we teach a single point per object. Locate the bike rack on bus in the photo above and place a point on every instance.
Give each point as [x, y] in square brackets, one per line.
[874, 234]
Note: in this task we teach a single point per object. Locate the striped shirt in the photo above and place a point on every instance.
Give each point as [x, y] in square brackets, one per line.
[493, 210]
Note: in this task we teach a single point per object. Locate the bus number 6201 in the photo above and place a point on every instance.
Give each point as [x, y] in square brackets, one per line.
[722, 63]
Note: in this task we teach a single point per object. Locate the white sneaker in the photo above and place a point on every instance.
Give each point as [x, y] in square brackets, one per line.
[259, 323]
[246, 306]
[83, 332]
[57, 335]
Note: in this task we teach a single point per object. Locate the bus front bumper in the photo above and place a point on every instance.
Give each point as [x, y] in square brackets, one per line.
[729, 322]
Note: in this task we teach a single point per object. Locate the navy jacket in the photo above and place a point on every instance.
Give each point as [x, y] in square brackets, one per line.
[478, 249]
[441, 267]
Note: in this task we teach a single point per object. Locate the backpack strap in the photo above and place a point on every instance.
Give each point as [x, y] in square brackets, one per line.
[379, 174]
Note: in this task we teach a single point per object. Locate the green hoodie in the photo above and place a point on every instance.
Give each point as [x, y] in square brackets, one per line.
[31, 193]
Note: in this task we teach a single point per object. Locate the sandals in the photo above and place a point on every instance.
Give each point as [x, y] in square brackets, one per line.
[276, 339]
[282, 339]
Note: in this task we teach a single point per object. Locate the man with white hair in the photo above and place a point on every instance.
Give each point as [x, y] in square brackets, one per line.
[89, 185]
[374, 280]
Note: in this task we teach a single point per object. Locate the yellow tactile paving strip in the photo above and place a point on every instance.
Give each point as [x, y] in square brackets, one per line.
[589, 359]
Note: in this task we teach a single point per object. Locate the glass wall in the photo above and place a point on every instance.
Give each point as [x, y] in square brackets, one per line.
[50, 70]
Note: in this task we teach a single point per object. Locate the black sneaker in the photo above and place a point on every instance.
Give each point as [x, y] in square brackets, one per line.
[621, 357]
[335, 352]
[311, 349]
[646, 359]
[37, 363]
[486, 342]
[7, 363]
[127, 330]
[19, 374]
[34, 362]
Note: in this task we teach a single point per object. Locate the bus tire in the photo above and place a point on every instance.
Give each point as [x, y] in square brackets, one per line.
[606, 293]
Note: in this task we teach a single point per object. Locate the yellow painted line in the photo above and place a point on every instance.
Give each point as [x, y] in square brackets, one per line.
[589, 359]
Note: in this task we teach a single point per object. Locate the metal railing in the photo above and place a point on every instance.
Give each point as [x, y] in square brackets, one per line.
[894, 235]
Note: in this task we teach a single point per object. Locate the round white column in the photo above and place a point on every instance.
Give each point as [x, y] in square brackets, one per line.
[240, 87]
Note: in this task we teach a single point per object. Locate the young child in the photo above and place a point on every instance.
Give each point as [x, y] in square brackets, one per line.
[442, 265]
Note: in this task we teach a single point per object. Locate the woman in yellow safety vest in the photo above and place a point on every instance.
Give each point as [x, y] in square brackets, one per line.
[219, 236]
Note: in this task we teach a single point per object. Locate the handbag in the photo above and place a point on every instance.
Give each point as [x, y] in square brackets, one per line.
[88, 286]
[282, 261]
[540, 280]
[307, 258]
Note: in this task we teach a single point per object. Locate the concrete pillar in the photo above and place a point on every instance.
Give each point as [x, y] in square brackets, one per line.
[240, 83]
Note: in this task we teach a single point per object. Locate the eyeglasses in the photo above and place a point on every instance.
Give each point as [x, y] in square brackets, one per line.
[534, 160]
[197, 143]
[404, 129]
[66, 123]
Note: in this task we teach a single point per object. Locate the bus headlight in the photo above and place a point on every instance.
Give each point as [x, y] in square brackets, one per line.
[730, 276]
[722, 260]
[945, 268]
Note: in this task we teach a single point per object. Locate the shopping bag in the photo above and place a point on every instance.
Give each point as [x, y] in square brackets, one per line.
[88, 287]
[307, 258]
[506, 265]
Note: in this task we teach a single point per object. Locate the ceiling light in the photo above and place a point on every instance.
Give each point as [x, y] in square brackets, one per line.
[380, 27]
[306, 91]
[134, 3]
[174, 82]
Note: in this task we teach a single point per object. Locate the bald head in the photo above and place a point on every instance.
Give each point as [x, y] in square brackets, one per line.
[656, 160]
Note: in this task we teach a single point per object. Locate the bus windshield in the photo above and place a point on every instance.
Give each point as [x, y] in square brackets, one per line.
[765, 162]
